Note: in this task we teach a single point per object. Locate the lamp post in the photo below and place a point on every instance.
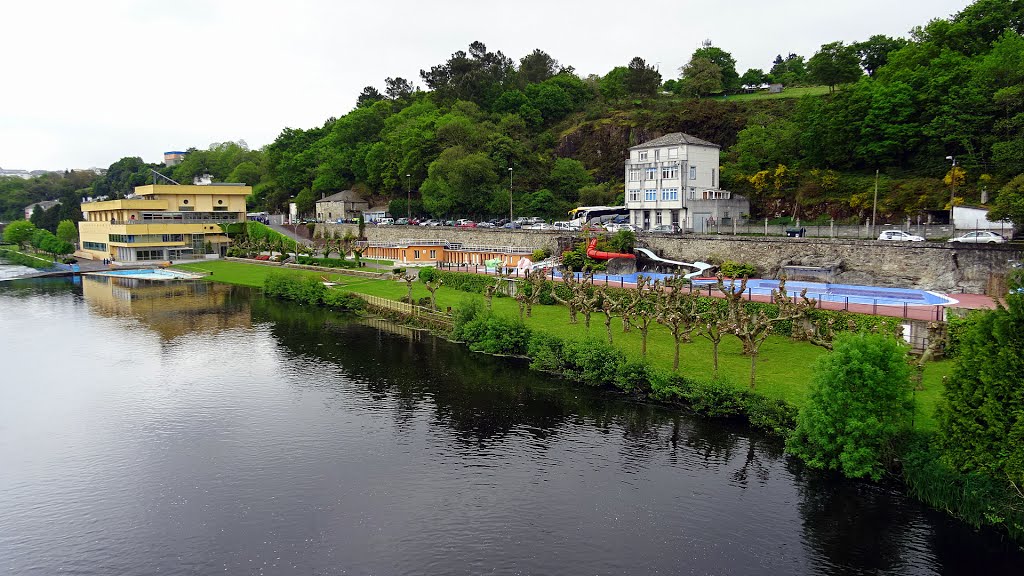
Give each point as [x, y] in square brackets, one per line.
[408, 198]
[510, 194]
[952, 195]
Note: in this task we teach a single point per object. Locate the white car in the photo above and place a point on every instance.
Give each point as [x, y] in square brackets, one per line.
[899, 236]
[541, 226]
[612, 227]
[979, 238]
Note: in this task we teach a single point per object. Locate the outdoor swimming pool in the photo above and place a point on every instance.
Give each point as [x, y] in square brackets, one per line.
[845, 293]
[149, 274]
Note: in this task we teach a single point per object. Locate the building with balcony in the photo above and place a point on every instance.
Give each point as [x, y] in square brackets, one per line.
[674, 179]
[161, 222]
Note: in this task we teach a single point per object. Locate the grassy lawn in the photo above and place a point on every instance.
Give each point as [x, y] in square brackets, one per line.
[783, 366]
[787, 93]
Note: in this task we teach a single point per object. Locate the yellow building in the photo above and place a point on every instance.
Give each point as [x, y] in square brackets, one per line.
[162, 222]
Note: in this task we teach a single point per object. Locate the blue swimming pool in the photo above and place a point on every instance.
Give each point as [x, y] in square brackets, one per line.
[847, 293]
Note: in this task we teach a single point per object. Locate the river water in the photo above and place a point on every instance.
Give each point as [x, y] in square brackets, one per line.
[191, 428]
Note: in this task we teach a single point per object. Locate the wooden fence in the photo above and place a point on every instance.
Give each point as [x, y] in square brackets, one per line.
[423, 314]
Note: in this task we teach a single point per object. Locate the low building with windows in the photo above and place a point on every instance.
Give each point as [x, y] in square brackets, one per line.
[345, 205]
[162, 222]
[426, 251]
[674, 179]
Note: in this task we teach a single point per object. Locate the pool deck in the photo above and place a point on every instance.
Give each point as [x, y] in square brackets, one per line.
[927, 312]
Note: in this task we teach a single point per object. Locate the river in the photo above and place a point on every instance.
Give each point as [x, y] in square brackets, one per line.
[192, 428]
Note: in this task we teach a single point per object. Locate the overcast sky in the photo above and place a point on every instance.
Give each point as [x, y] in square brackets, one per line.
[87, 83]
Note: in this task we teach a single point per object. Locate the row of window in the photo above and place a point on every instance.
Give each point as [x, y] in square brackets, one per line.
[94, 246]
[672, 153]
[185, 214]
[149, 254]
[668, 172]
[669, 194]
[416, 254]
[145, 238]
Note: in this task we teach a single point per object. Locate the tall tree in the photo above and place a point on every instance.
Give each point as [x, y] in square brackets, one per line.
[368, 96]
[874, 52]
[537, 66]
[701, 77]
[835, 63]
[641, 79]
[725, 62]
[398, 88]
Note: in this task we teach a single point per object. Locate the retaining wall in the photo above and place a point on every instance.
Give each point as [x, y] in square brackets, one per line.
[934, 266]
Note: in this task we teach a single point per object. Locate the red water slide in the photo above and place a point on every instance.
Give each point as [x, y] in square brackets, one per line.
[593, 252]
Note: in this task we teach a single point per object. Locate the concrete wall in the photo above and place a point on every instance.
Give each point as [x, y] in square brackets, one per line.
[934, 266]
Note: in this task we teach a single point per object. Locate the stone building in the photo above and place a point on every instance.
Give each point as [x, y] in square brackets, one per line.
[346, 205]
[675, 179]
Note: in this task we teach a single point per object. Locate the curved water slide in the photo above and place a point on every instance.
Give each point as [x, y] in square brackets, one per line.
[593, 252]
[700, 267]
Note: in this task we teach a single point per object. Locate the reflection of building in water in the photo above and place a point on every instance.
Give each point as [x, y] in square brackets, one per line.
[171, 309]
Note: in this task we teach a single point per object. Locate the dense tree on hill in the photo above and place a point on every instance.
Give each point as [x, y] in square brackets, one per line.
[835, 63]
[368, 97]
[701, 77]
[753, 77]
[535, 67]
[398, 88]
[874, 52]
[791, 70]
[726, 64]
[478, 76]
[641, 79]
[1009, 204]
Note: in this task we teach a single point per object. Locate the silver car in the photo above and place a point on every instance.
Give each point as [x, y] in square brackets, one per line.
[899, 236]
[979, 238]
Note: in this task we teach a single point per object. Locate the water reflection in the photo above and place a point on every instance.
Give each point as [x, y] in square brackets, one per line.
[244, 433]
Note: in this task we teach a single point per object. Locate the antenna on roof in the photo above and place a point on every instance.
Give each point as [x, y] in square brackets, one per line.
[706, 43]
[155, 174]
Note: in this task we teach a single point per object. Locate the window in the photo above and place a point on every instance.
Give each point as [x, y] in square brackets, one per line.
[433, 254]
[652, 173]
[634, 174]
[185, 208]
[670, 172]
[650, 195]
[712, 176]
[693, 194]
[171, 238]
[634, 195]
[693, 172]
[673, 153]
[670, 194]
[415, 254]
[657, 155]
[657, 216]
[94, 246]
[642, 155]
[149, 255]
[220, 208]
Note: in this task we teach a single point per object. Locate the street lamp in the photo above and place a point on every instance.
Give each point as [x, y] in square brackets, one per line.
[408, 198]
[952, 195]
[510, 194]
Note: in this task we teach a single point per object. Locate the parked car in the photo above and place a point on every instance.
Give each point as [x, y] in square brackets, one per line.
[616, 227]
[512, 226]
[402, 222]
[665, 229]
[464, 223]
[899, 236]
[385, 222]
[430, 222]
[541, 226]
[485, 225]
[564, 226]
[983, 237]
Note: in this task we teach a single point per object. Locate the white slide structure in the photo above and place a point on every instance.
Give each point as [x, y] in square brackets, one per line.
[700, 266]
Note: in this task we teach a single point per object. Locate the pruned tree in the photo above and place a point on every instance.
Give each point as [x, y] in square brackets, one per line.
[570, 281]
[608, 306]
[432, 287]
[678, 310]
[409, 279]
[713, 324]
[642, 308]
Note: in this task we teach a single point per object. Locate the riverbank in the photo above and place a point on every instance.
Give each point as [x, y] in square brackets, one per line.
[784, 366]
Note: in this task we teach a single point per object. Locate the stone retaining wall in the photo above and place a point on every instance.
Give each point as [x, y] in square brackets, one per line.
[934, 266]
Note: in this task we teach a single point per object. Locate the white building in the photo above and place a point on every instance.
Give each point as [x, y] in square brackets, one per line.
[675, 180]
[972, 218]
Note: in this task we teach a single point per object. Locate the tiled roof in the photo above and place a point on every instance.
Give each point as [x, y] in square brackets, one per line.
[343, 196]
[674, 139]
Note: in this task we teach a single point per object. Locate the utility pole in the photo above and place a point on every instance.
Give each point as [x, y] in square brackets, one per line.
[510, 194]
[952, 195]
[874, 205]
[408, 198]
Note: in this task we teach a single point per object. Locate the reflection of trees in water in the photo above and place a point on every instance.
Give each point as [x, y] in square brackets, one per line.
[484, 398]
[856, 524]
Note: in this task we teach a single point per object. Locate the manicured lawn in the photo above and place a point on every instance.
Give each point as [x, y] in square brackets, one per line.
[787, 93]
[784, 367]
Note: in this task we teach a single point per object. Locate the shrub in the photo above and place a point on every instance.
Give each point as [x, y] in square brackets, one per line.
[668, 386]
[957, 327]
[484, 331]
[427, 274]
[326, 262]
[592, 362]
[303, 289]
[634, 377]
[545, 352]
[775, 416]
[733, 269]
[859, 405]
[342, 301]
[715, 398]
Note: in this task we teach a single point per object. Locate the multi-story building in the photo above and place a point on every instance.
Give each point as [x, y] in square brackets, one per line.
[162, 222]
[174, 157]
[674, 179]
[346, 205]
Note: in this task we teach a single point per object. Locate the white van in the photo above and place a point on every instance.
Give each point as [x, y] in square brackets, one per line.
[385, 222]
[567, 226]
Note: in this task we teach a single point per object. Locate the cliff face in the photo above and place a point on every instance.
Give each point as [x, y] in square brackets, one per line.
[602, 143]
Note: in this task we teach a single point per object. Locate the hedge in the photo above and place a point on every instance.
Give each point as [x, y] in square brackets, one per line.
[327, 262]
[308, 290]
